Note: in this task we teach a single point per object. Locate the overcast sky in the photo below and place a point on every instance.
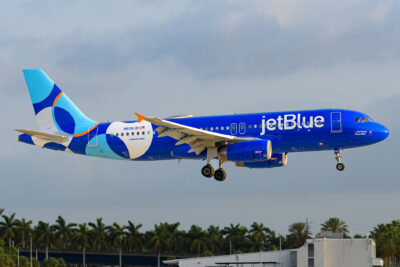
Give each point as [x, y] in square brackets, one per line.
[162, 58]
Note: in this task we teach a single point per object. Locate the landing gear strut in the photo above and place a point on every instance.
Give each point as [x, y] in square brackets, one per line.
[338, 157]
[220, 174]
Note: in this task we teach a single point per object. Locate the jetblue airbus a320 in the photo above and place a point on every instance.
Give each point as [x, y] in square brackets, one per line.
[259, 140]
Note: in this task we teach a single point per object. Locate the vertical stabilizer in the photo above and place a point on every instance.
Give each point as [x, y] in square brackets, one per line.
[54, 111]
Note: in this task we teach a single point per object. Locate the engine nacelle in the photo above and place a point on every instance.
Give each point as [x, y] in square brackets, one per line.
[247, 151]
[277, 160]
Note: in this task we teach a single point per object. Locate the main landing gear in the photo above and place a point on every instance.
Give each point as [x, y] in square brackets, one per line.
[338, 157]
[208, 171]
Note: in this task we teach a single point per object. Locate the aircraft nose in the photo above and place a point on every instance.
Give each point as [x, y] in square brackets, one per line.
[381, 132]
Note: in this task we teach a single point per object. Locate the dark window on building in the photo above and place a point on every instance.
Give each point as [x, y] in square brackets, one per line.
[311, 250]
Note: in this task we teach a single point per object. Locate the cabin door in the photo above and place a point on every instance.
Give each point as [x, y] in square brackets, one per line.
[336, 122]
[93, 142]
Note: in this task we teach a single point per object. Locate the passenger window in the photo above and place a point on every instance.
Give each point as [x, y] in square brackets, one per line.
[122, 134]
[206, 128]
[217, 128]
[222, 128]
[132, 133]
[148, 132]
[127, 134]
[227, 127]
[255, 126]
[142, 133]
[357, 120]
[211, 128]
[250, 126]
[116, 134]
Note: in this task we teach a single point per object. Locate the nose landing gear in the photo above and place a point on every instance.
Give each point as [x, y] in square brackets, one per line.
[338, 157]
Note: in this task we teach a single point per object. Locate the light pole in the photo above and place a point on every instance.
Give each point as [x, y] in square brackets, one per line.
[18, 256]
[30, 241]
[120, 252]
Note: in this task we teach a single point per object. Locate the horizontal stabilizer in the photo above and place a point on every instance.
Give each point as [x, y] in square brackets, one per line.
[46, 136]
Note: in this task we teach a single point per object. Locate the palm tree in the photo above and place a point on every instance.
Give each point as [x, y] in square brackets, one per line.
[1, 211]
[335, 225]
[134, 237]
[159, 240]
[299, 232]
[273, 241]
[63, 230]
[117, 234]
[82, 236]
[214, 238]
[44, 234]
[99, 233]
[174, 235]
[198, 239]
[387, 238]
[258, 235]
[8, 227]
[24, 230]
[236, 234]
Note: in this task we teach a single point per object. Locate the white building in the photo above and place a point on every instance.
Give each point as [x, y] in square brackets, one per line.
[320, 252]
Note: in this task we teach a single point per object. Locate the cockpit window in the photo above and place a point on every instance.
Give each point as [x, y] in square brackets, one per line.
[357, 120]
[364, 119]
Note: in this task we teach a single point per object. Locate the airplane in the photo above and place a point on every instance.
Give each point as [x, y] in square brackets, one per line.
[258, 140]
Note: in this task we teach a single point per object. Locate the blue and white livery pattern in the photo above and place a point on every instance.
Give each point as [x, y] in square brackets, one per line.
[260, 140]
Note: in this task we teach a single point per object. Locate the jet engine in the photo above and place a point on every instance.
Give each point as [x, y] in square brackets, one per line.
[247, 151]
[277, 160]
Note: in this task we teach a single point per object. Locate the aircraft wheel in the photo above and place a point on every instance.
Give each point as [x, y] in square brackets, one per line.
[220, 175]
[340, 166]
[207, 171]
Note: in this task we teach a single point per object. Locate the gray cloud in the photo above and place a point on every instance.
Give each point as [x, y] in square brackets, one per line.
[213, 57]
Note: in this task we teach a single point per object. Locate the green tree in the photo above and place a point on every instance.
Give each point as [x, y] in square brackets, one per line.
[134, 237]
[236, 236]
[214, 238]
[117, 235]
[299, 232]
[258, 236]
[63, 231]
[23, 230]
[159, 241]
[174, 236]
[198, 240]
[387, 238]
[44, 235]
[82, 237]
[8, 227]
[99, 232]
[335, 225]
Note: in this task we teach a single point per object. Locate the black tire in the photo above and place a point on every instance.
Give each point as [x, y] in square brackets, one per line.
[207, 171]
[220, 175]
[340, 166]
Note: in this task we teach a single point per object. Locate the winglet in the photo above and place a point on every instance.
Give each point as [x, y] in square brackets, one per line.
[140, 117]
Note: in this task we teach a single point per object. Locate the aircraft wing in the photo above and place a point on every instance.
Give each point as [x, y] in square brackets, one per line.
[43, 135]
[198, 139]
